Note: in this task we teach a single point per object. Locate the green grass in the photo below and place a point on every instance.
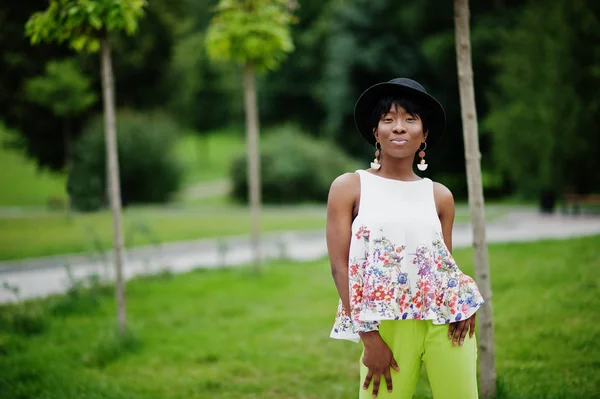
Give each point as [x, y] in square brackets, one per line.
[52, 233]
[209, 157]
[228, 334]
[21, 181]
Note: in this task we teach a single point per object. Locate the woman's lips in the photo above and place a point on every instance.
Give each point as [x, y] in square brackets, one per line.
[399, 141]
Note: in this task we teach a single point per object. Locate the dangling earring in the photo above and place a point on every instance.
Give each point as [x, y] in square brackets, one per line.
[375, 164]
[422, 165]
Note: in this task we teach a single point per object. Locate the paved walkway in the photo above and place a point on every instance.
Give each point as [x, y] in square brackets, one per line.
[43, 276]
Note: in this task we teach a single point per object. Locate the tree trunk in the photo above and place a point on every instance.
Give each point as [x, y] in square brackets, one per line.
[252, 142]
[476, 203]
[114, 184]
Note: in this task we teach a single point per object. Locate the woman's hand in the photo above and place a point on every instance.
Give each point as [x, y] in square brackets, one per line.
[458, 331]
[378, 358]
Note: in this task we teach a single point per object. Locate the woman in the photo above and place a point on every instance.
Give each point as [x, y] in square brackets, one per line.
[389, 238]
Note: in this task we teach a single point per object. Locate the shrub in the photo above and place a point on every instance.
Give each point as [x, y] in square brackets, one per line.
[294, 168]
[149, 170]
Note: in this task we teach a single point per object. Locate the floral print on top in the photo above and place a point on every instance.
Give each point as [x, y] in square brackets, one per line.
[387, 281]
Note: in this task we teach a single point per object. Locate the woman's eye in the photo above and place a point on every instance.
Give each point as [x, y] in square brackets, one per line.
[410, 119]
[387, 119]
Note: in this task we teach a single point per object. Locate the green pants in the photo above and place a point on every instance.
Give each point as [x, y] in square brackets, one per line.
[452, 370]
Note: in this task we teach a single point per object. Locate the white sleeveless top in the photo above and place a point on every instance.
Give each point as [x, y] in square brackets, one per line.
[399, 265]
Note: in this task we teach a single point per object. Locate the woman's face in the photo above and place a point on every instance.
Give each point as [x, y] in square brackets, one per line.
[399, 133]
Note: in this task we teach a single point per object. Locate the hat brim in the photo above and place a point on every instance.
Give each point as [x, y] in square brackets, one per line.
[363, 110]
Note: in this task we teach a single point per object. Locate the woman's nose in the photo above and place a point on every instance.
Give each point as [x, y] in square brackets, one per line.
[398, 127]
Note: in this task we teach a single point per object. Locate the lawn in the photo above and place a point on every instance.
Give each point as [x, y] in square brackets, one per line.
[21, 181]
[53, 233]
[229, 334]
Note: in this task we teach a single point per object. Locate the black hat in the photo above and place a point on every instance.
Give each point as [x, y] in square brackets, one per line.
[363, 110]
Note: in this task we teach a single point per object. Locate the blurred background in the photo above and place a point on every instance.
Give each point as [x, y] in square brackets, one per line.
[181, 116]
[182, 154]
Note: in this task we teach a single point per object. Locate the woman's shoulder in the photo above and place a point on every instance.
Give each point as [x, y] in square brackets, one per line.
[347, 180]
[347, 184]
[442, 193]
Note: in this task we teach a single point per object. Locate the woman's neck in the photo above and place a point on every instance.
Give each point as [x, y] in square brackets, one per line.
[397, 168]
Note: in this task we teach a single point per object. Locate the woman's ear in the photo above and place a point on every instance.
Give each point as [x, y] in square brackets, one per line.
[376, 134]
[425, 134]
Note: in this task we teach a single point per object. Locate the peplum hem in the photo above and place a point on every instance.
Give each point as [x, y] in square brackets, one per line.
[388, 283]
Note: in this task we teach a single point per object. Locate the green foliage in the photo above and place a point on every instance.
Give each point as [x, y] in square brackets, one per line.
[291, 93]
[140, 62]
[64, 88]
[205, 96]
[202, 96]
[254, 32]
[38, 130]
[545, 116]
[82, 23]
[149, 171]
[341, 48]
[294, 168]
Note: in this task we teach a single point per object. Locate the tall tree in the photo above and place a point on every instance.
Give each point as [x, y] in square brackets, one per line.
[476, 201]
[256, 35]
[140, 62]
[86, 26]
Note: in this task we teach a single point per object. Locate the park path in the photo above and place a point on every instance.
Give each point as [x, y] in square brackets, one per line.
[43, 276]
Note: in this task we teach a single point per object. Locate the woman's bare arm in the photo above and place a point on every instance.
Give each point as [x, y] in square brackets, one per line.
[343, 195]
